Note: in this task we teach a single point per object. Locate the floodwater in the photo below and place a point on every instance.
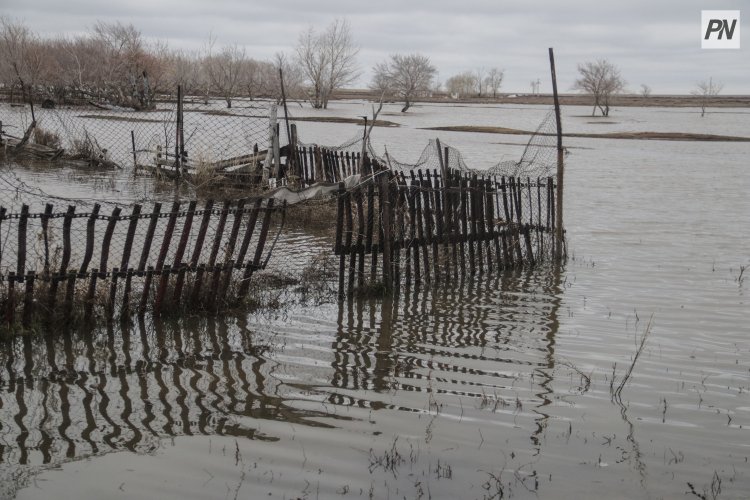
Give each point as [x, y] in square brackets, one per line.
[494, 387]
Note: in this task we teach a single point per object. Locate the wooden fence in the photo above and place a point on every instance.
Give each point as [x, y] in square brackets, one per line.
[316, 164]
[55, 262]
[408, 228]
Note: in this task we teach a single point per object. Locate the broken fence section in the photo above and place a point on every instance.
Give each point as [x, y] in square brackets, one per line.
[64, 265]
[421, 226]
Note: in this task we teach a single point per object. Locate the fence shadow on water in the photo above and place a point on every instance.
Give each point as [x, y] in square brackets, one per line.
[64, 397]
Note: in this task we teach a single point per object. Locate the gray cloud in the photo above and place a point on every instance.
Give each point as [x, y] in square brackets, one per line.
[652, 42]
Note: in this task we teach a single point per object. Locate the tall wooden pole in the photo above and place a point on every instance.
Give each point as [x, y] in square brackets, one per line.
[286, 111]
[560, 164]
[291, 157]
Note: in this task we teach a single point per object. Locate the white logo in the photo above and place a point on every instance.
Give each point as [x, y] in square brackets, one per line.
[720, 29]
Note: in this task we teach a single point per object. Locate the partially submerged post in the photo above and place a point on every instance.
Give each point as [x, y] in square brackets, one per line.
[560, 165]
[177, 152]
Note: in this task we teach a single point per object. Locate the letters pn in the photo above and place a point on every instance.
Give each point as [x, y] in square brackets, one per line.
[720, 26]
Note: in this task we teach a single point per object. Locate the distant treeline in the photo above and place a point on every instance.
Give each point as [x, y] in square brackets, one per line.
[114, 64]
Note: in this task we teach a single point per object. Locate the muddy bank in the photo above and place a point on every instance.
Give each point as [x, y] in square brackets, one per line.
[656, 136]
[630, 100]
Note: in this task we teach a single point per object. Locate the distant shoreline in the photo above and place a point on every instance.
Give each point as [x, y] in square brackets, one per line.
[655, 136]
[624, 100]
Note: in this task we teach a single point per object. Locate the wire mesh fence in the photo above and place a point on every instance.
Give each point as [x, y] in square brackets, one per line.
[124, 137]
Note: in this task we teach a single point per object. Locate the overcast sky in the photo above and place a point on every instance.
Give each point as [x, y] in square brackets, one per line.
[656, 42]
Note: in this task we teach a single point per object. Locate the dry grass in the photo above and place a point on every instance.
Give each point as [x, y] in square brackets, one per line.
[47, 138]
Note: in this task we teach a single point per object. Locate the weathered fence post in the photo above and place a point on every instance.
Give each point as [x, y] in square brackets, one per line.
[560, 163]
[385, 200]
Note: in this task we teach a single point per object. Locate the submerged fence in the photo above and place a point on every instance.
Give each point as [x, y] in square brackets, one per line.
[430, 226]
[64, 264]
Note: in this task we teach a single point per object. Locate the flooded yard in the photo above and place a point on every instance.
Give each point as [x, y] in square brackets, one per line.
[501, 386]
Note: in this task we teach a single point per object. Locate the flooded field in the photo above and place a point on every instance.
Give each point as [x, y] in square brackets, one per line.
[498, 387]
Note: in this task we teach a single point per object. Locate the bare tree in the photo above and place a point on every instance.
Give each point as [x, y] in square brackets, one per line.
[329, 60]
[479, 81]
[184, 70]
[404, 76]
[294, 77]
[493, 81]
[645, 90]
[705, 90]
[22, 56]
[462, 84]
[122, 75]
[227, 70]
[602, 80]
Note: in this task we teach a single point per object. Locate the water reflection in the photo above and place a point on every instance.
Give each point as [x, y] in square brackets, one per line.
[475, 339]
[64, 397]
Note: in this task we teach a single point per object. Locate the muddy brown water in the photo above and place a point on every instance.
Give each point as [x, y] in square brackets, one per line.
[493, 387]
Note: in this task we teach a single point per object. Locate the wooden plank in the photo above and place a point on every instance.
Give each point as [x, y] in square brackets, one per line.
[430, 203]
[385, 196]
[179, 283]
[464, 240]
[249, 229]
[263, 236]
[161, 290]
[348, 250]
[239, 214]
[308, 175]
[230, 245]
[454, 198]
[45, 236]
[180, 253]
[143, 303]
[112, 293]
[219, 234]
[90, 235]
[154, 219]
[319, 168]
[490, 203]
[412, 257]
[438, 198]
[417, 190]
[398, 234]
[132, 225]
[2, 218]
[376, 247]
[28, 300]
[106, 241]
[341, 216]
[370, 216]
[250, 267]
[475, 240]
[360, 237]
[23, 222]
[198, 248]
[550, 205]
[167, 239]
[195, 294]
[540, 239]
[10, 305]
[126, 294]
[185, 236]
[340, 207]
